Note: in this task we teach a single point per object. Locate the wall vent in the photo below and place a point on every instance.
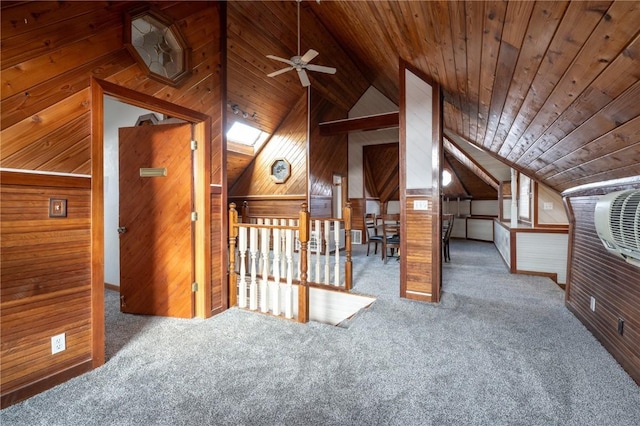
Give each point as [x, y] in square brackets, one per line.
[356, 236]
[617, 220]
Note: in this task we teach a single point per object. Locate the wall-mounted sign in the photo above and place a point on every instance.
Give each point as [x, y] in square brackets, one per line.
[153, 171]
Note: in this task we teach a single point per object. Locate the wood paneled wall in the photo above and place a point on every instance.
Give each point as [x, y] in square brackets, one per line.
[358, 210]
[419, 256]
[271, 207]
[46, 279]
[381, 165]
[327, 155]
[288, 142]
[50, 52]
[218, 251]
[594, 272]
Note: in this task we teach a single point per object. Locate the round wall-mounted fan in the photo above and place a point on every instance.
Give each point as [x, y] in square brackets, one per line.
[301, 63]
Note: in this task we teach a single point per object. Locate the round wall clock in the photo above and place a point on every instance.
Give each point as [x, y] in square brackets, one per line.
[280, 170]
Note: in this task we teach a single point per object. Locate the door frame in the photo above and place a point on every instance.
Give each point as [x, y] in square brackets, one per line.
[201, 170]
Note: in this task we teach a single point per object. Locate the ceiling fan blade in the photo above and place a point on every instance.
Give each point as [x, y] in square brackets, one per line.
[320, 68]
[282, 71]
[304, 79]
[307, 57]
[277, 58]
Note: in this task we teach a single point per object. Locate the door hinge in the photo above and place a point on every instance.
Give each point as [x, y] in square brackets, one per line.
[194, 145]
[194, 287]
[194, 216]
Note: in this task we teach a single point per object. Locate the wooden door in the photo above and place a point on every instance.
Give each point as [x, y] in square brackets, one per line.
[156, 240]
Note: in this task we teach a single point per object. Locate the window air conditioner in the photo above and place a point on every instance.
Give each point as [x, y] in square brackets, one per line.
[617, 220]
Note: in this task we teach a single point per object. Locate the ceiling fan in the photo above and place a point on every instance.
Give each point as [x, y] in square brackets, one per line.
[301, 63]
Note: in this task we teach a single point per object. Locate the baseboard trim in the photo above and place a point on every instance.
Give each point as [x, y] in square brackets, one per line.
[552, 275]
[31, 389]
[417, 295]
[113, 287]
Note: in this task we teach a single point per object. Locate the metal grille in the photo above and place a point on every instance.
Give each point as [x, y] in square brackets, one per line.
[624, 220]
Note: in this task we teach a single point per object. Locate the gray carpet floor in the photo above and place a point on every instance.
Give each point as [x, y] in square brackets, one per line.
[499, 349]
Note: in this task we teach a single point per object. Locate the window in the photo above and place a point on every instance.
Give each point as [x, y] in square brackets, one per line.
[246, 135]
[157, 45]
[524, 198]
[446, 177]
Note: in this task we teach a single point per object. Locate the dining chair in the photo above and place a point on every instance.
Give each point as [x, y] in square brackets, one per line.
[447, 227]
[391, 234]
[372, 232]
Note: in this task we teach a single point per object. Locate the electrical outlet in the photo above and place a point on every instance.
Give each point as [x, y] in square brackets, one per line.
[592, 305]
[58, 343]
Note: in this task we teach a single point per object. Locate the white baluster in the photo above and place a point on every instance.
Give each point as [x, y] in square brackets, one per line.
[253, 250]
[288, 292]
[327, 249]
[259, 221]
[242, 247]
[336, 237]
[318, 234]
[296, 243]
[275, 293]
[283, 249]
[264, 248]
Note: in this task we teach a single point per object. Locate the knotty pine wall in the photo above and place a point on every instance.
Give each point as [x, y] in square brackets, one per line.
[325, 156]
[615, 284]
[46, 278]
[255, 184]
[50, 52]
[328, 155]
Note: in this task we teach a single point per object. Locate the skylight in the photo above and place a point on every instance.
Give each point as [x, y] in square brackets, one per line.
[246, 135]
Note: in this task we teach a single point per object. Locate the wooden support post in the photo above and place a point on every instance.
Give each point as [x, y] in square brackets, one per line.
[348, 266]
[244, 212]
[303, 288]
[233, 276]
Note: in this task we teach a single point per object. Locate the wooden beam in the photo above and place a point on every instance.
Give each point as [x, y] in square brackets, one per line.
[360, 124]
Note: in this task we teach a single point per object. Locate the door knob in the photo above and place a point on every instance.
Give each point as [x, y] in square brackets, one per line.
[122, 229]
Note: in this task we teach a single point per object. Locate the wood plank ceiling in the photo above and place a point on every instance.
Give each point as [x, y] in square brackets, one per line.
[256, 29]
[550, 88]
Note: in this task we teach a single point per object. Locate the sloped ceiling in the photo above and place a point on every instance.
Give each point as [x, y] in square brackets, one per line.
[549, 88]
[472, 186]
[256, 29]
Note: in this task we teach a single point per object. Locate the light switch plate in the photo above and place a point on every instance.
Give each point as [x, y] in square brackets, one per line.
[57, 207]
[421, 204]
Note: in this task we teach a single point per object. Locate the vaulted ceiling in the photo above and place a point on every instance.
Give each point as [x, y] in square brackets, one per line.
[550, 88]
